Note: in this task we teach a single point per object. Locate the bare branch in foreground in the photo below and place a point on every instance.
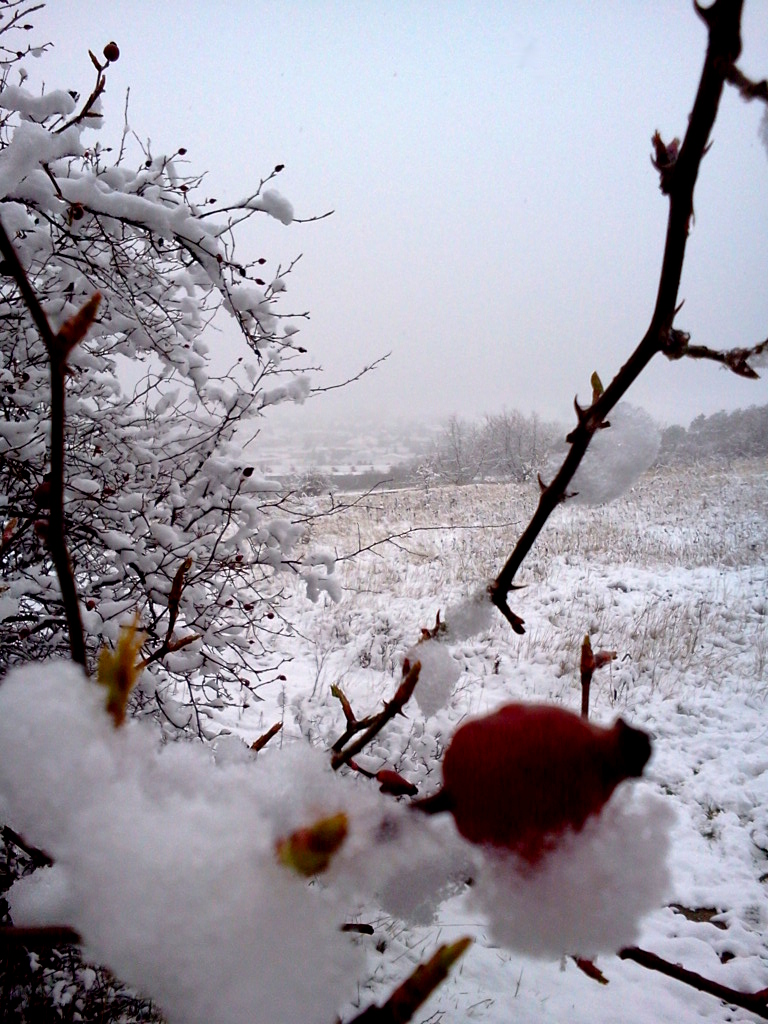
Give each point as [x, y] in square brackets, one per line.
[755, 1002]
[749, 90]
[38, 938]
[373, 724]
[679, 171]
[351, 380]
[58, 347]
[415, 990]
[736, 359]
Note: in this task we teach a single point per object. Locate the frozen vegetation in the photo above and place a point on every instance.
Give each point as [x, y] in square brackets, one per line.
[672, 576]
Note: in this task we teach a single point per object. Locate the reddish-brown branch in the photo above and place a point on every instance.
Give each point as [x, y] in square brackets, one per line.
[58, 348]
[755, 1002]
[587, 670]
[415, 990]
[373, 724]
[86, 110]
[678, 179]
[263, 740]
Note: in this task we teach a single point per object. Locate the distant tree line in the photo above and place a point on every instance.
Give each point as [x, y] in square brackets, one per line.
[742, 433]
[512, 446]
[503, 446]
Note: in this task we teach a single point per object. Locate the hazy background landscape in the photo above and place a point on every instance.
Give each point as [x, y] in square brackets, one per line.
[497, 222]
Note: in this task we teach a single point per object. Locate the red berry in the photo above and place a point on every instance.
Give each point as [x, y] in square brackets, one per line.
[111, 52]
[523, 775]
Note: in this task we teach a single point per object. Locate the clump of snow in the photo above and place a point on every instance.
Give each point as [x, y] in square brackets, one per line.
[438, 864]
[37, 108]
[470, 616]
[42, 897]
[317, 582]
[617, 456]
[276, 205]
[165, 863]
[589, 894]
[438, 676]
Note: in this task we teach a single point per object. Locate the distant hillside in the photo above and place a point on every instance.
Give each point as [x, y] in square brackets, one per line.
[739, 434]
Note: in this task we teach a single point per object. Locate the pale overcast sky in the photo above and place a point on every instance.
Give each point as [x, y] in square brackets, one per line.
[498, 224]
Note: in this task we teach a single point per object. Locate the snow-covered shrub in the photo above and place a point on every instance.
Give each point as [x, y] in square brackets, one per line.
[165, 516]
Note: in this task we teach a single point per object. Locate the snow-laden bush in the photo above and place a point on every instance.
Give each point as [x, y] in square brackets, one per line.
[165, 516]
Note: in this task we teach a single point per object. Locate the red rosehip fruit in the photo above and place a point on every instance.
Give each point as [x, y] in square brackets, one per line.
[111, 52]
[520, 777]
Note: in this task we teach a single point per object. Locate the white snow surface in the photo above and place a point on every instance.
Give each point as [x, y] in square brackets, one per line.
[616, 456]
[437, 678]
[672, 575]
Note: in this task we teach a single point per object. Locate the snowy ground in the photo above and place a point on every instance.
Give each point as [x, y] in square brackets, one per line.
[166, 865]
[674, 576]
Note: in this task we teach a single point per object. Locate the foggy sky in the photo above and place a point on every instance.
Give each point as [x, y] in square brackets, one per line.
[498, 224]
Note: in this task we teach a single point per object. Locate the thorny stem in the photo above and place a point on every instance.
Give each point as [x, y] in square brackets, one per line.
[723, 22]
[372, 726]
[56, 539]
[755, 1002]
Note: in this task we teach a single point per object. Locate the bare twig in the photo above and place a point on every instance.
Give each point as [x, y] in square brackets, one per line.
[86, 110]
[755, 1002]
[736, 359]
[373, 724]
[351, 380]
[263, 740]
[678, 173]
[415, 990]
[587, 668]
[749, 90]
[58, 347]
[591, 660]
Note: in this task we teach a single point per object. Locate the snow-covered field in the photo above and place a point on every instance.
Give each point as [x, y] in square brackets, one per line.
[166, 864]
[674, 577]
